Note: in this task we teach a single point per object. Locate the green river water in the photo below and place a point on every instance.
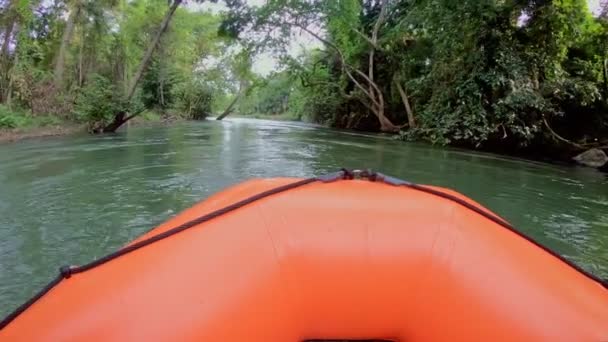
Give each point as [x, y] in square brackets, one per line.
[68, 200]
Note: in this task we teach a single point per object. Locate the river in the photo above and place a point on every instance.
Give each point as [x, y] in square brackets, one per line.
[68, 200]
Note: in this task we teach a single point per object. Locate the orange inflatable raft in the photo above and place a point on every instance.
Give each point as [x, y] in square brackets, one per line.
[329, 258]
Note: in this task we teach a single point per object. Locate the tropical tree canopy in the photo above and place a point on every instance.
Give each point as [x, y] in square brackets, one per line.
[483, 73]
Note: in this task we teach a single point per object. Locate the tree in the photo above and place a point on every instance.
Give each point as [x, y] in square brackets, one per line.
[374, 98]
[121, 117]
[271, 96]
[509, 75]
[240, 66]
[14, 15]
[74, 9]
[284, 16]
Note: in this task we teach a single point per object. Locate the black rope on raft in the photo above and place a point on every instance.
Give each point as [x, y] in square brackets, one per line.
[30, 301]
[490, 216]
[379, 177]
[66, 272]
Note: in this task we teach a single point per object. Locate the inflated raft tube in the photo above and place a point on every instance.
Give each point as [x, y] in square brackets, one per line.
[329, 258]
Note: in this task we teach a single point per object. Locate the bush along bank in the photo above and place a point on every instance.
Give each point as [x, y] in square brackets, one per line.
[517, 77]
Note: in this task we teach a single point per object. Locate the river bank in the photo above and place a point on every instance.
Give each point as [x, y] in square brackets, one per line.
[152, 118]
[16, 134]
[49, 126]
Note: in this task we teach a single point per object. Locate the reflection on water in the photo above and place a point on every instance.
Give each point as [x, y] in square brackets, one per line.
[69, 200]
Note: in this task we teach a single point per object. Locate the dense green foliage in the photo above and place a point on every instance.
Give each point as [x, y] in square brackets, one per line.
[269, 96]
[192, 99]
[8, 119]
[483, 73]
[97, 101]
[77, 59]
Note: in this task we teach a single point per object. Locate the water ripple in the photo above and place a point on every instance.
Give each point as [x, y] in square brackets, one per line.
[72, 199]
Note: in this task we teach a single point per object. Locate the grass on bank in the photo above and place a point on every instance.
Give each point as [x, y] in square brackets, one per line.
[24, 120]
[18, 124]
[18, 119]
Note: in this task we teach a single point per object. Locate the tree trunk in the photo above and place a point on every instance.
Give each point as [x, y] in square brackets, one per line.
[8, 33]
[11, 79]
[10, 67]
[372, 54]
[5, 60]
[228, 109]
[161, 86]
[385, 123]
[120, 118]
[65, 41]
[9, 88]
[406, 103]
[9, 93]
[145, 61]
[125, 74]
[374, 43]
[81, 62]
[606, 78]
[124, 51]
[372, 91]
